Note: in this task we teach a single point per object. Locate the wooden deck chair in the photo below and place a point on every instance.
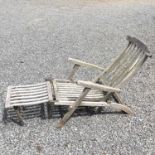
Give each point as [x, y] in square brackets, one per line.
[96, 93]
[105, 86]
[20, 97]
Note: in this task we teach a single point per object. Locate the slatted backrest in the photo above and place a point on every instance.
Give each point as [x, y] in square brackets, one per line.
[126, 65]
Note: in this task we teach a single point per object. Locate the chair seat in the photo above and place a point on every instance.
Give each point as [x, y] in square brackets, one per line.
[68, 91]
[28, 94]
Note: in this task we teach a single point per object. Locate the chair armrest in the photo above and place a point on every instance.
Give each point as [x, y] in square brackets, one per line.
[89, 84]
[85, 64]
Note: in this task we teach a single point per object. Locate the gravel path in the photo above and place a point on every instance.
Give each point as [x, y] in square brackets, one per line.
[37, 37]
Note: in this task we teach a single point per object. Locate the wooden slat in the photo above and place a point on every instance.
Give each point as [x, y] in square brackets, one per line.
[85, 99]
[114, 65]
[74, 91]
[29, 100]
[68, 93]
[28, 94]
[7, 104]
[28, 103]
[127, 72]
[79, 91]
[123, 63]
[119, 65]
[64, 85]
[13, 94]
[31, 85]
[133, 71]
[74, 107]
[49, 90]
[119, 58]
[83, 103]
[89, 95]
[85, 64]
[76, 96]
[89, 84]
[29, 91]
[28, 97]
[55, 88]
[122, 72]
[29, 88]
[98, 104]
[62, 81]
[74, 70]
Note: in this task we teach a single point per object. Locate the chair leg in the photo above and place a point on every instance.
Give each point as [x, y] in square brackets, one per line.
[42, 111]
[106, 97]
[122, 107]
[18, 113]
[74, 107]
[118, 99]
[49, 109]
[5, 115]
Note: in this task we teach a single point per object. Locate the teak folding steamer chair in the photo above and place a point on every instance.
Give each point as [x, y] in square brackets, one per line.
[102, 91]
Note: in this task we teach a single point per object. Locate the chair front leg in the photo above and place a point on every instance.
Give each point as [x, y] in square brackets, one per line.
[42, 111]
[74, 70]
[5, 115]
[118, 98]
[73, 108]
[105, 98]
[18, 113]
[50, 106]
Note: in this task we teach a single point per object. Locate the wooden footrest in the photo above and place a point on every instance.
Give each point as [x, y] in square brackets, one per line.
[25, 95]
[27, 101]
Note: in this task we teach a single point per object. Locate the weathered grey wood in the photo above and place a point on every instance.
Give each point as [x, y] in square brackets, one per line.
[31, 85]
[118, 98]
[55, 89]
[29, 91]
[18, 113]
[122, 107]
[139, 44]
[84, 93]
[133, 71]
[28, 95]
[29, 100]
[50, 104]
[74, 107]
[62, 80]
[119, 66]
[7, 103]
[85, 64]
[119, 58]
[5, 115]
[27, 103]
[74, 91]
[16, 94]
[115, 75]
[98, 104]
[76, 95]
[29, 88]
[123, 72]
[52, 89]
[49, 89]
[74, 70]
[85, 99]
[89, 84]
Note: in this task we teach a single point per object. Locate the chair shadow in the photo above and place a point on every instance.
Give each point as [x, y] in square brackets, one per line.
[49, 112]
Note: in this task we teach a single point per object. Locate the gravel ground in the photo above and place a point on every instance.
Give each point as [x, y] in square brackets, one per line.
[37, 37]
